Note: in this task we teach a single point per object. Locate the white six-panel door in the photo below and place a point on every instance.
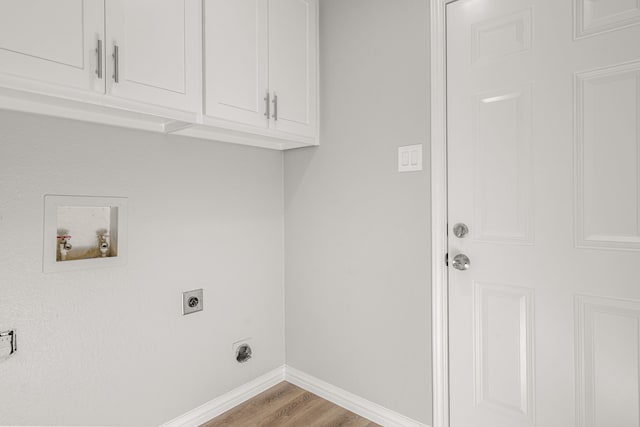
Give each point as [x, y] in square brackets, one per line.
[53, 41]
[544, 168]
[159, 52]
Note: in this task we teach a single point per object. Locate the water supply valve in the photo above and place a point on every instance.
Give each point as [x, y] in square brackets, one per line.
[103, 244]
[64, 246]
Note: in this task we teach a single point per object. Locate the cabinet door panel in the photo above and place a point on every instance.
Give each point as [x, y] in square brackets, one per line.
[293, 64]
[158, 51]
[236, 43]
[52, 42]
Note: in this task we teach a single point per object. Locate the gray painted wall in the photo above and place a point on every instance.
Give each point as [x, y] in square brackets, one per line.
[357, 242]
[110, 346]
[203, 214]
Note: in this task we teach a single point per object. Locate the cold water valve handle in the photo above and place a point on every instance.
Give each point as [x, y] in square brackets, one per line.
[103, 244]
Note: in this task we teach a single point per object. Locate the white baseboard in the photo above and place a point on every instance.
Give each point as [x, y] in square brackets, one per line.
[340, 397]
[350, 401]
[222, 404]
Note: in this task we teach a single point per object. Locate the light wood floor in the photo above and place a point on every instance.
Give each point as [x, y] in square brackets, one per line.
[286, 405]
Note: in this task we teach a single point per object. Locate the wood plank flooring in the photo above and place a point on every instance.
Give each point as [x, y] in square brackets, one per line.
[286, 405]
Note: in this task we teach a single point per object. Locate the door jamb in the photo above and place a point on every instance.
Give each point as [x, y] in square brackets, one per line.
[439, 277]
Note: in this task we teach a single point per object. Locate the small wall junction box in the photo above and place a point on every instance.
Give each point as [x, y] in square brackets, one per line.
[191, 301]
[8, 345]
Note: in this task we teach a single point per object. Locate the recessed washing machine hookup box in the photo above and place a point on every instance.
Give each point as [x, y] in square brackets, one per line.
[84, 232]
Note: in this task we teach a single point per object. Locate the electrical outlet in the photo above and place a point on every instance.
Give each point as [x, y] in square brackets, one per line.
[192, 301]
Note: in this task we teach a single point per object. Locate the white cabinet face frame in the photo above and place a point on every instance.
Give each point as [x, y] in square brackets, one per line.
[159, 52]
[53, 42]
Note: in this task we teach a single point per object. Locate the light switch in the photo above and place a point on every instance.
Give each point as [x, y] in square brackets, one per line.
[410, 158]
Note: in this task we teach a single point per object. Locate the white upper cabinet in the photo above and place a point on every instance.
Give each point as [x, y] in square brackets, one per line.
[293, 65]
[154, 52]
[261, 64]
[239, 71]
[236, 60]
[53, 42]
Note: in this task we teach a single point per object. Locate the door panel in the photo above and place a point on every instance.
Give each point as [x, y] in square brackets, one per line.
[594, 17]
[293, 64]
[607, 355]
[236, 47]
[52, 42]
[159, 56]
[500, 37]
[608, 110]
[502, 165]
[544, 168]
[503, 353]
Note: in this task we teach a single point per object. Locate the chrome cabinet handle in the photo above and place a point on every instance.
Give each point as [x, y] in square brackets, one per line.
[116, 64]
[275, 106]
[99, 56]
[267, 104]
[461, 262]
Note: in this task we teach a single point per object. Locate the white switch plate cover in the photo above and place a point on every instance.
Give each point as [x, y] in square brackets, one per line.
[410, 158]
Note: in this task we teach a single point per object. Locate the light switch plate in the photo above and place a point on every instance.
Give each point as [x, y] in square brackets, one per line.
[410, 158]
[192, 301]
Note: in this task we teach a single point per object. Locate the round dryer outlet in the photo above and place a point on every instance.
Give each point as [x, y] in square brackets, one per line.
[243, 353]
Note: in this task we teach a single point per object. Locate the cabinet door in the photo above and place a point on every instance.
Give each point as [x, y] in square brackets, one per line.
[236, 61]
[159, 52]
[52, 41]
[293, 68]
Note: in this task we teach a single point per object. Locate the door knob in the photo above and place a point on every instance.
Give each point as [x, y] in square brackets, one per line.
[461, 262]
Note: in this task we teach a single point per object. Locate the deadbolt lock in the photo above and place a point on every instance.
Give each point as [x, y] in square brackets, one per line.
[460, 230]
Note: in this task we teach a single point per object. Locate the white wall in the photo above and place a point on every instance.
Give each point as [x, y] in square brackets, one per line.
[110, 346]
[357, 243]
